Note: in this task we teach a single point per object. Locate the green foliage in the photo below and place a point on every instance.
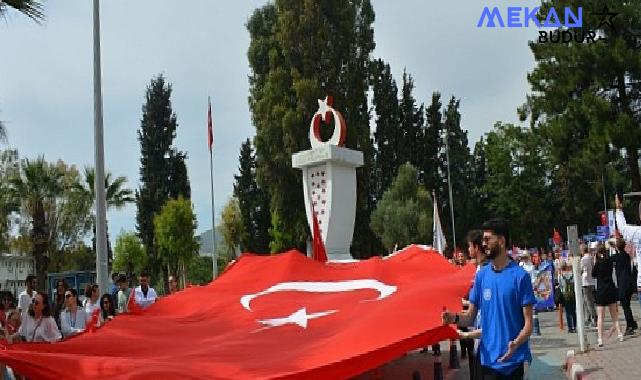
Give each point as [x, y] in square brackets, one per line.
[459, 154]
[517, 184]
[586, 96]
[198, 270]
[54, 214]
[9, 168]
[163, 174]
[387, 136]
[80, 257]
[404, 215]
[253, 202]
[129, 254]
[429, 169]
[299, 52]
[116, 194]
[232, 225]
[411, 125]
[30, 8]
[174, 229]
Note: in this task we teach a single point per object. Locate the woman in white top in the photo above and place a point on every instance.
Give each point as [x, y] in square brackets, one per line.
[38, 325]
[73, 319]
[91, 300]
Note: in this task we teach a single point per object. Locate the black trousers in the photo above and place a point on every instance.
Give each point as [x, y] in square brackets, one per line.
[490, 374]
[625, 304]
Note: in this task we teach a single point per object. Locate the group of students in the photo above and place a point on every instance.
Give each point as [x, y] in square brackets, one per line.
[37, 320]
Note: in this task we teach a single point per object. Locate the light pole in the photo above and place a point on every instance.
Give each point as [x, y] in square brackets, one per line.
[102, 269]
[446, 136]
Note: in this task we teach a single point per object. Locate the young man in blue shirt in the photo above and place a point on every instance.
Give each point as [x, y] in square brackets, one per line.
[503, 293]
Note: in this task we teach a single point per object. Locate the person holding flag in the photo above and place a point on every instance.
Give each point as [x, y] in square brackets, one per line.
[503, 293]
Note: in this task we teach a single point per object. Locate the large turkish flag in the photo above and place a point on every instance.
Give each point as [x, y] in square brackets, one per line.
[283, 316]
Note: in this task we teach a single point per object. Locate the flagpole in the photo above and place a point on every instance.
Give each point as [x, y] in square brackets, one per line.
[102, 266]
[213, 205]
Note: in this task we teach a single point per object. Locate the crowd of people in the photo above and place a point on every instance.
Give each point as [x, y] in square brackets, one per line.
[497, 318]
[36, 318]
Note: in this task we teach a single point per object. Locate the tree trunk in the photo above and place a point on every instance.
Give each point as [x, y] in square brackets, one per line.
[165, 278]
[40, 245]
[633, 164]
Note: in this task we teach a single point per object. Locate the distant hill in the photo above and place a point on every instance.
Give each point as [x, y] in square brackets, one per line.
[205, 241]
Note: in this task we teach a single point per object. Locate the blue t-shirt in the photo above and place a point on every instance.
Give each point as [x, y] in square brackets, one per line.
[500, 297]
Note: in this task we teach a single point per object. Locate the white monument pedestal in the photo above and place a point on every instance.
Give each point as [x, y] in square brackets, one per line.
[329, 185]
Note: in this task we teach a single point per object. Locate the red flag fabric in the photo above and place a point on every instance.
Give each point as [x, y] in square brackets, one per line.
[132, 305]
[556, 237]
[296, 318]
[319, 253]
[93, 321]
[210, 128]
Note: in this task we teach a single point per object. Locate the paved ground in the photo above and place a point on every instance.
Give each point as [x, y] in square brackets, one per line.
[613, 361]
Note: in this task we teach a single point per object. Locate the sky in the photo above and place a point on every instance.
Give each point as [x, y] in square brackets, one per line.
[46, 89]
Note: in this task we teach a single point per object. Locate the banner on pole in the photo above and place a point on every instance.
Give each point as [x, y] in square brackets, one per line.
[543, 287]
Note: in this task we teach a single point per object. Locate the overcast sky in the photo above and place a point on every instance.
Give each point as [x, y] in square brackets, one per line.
[46, 95]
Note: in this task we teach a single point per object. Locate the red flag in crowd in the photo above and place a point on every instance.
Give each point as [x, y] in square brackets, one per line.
[93, 321]
[556, 237]
[210, 128]
[294, 319]
[132, 305]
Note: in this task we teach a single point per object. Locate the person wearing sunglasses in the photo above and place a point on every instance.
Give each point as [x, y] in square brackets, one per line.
[107, 308]
[38, 325]
[73, 319]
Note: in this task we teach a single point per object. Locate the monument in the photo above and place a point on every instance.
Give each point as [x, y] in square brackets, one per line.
[329, 181]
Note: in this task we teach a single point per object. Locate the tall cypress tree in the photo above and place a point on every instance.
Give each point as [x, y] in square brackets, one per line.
[411, 123]
[253, 203]
[300, 52]
[431, 142]
[388, 135]
[459, 153]
[163, 173]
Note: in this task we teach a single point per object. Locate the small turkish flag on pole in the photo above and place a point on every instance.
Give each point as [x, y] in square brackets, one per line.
[132, 305]
[210, 127]
[318, 248]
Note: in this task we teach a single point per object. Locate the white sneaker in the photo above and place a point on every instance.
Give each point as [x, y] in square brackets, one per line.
[599, 342]
[620, 337]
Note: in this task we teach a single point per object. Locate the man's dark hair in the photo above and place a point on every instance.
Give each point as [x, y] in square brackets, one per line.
[114, 276]
[475, 237]
[30, 278]
[122, 278]
[499, 227]
[620, 244]
[144, 274]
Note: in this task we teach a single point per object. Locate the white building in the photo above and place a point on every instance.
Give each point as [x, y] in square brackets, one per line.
[14, 269]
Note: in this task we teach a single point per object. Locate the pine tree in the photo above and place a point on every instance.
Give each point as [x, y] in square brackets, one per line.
[517, 183]
[163, 173]
[387, 136]
[582, 92]
[411, 123]
[459, 155]
[253, 203]
[477, 186]
[431, 162]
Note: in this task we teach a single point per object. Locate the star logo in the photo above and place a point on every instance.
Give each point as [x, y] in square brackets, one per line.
[607, 18]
